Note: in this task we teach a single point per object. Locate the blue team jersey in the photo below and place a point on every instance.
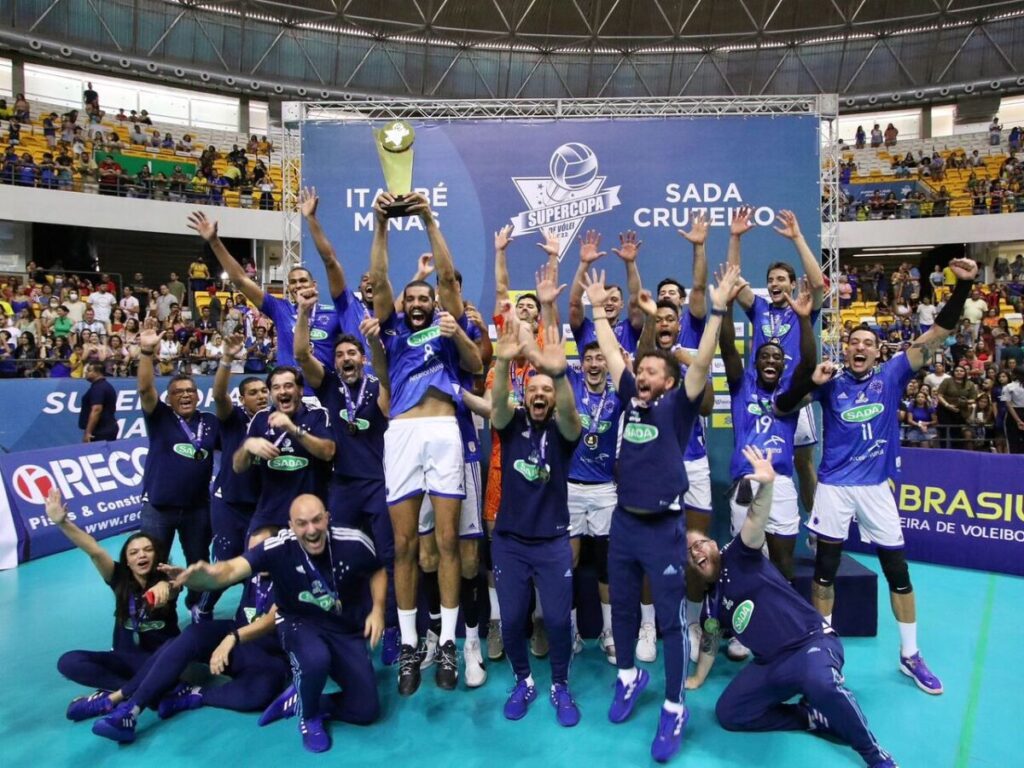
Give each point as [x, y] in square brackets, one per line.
[332, 588]
[696, 446]
[690, 330]
[359, 454]
[861, 443]
[753, 599]
[323, 328]
[179, 464]
[780, 325]
[594, 459]
[234, 487]
[652, 477]
[418, 361]
[295, 471]
[463, 416]
[351, 312]
[626, 335]
[754, 422]
[535, 472]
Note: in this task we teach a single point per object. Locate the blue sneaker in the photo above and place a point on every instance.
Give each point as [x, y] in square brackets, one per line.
[119, 725]
[914, 667]
[88, 707]
[519, 700]
[182, 698]
[390, 646]
[314, 736]
[283, 706]
[669, 737]
[626, 696]
[566, 711]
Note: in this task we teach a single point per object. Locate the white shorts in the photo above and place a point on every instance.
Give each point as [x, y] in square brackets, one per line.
[806, 430]
[590, 508]
[874, 506]
[784, 517]
[698, 495]
[470, 519]
[423, 455]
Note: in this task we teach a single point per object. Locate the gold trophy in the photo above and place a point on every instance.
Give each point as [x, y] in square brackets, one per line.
[394, 146]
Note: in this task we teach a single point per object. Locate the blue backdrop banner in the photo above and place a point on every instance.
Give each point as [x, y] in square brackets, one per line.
[960, 508]
[101, 484]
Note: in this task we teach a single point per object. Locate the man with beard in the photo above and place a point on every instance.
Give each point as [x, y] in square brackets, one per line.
[531, 538]
[423, 446]
[860, 409]
[763, 416]
[324, 578]
[627, 331]
[289, 446]
[176, 480]
[795, 652]
[357, 406]
[647, 535]
[773, 320]
[324, 322]
[234, 496]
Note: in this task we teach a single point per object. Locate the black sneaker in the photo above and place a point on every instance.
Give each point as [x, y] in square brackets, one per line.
[408, 670]
[447, 658]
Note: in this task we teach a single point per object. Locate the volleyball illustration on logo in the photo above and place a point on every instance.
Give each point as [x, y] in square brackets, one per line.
[573, 166]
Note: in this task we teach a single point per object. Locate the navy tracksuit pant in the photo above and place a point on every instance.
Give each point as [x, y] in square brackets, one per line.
[230, 525]
[105, 670]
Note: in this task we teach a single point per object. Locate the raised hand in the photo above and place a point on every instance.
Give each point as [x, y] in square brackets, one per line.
[447, 324]
[551, 359]
[725, 288]
[803, 303]
[380, 204]
[629, 247]
[823, 372]
[308, 202]
[964, 269]
[503, 237]
[56, 509]
[509, 346]
[647, 303]
[233, 346]
[593, 283]
[425, 266]
[762, 465]
[589, 244]
[474, 316]
[552, 246]
[420, 206]
[261, 448]
[306, 300]
[698, 233]
[205, 228]
[149, 340]
[741, 221]
[370, 328]
[790, 227]
[548, 289]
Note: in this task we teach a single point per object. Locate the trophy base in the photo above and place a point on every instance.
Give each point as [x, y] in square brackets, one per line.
[398, 209]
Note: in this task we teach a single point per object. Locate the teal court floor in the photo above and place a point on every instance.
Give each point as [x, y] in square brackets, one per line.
[972, 630]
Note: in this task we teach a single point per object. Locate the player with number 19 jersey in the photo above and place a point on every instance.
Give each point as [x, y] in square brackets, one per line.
[755, 422]
[862, 431]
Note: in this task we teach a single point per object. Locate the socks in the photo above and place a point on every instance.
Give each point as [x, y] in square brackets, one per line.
[472, 634]
[492, 593]
[449, 619]
[538, 611]
[433, 593]
[693, 611]
[136, 709]
[606, 617]
[908, 638]
[828, 618]
[528, 680]
[468, 601]
[572, 623]
[628, 676]
[675, 707]
[407, 626]
[646, 613]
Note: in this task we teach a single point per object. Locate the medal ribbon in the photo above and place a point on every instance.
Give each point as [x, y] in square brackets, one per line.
[353, 407]
[193, 438]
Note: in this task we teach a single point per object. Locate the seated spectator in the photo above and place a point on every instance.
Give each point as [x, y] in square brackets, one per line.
[167, 142]
[30, 363]
[118, 360]
[145, 119]
[167, 354]
[154, 140]
[212, 351]
[143, 183]
[121, 117]
[184, 144]
[137, 135]
[259, 173]
[22, 109]
[118, 318]
[58, 359]
[975, 160]
[113, 142]
[28, 172]
[921, 419]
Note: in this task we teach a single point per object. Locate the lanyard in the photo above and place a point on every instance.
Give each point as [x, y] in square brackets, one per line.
[518, 383]
[315, 576]
[353, 407]
[134, 616]
[712, 608]
[539, 454]
[193, 438]
[776, 324]
[595, 415]
[284, 434]
[263, 596]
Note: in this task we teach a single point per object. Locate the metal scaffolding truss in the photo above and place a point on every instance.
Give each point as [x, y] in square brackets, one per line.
[824, 107]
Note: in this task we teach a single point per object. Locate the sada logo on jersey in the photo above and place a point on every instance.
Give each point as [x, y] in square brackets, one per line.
[862, 413]
[561, 201]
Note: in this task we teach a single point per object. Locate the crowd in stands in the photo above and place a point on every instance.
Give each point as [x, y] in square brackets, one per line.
[961, 400]
[83, 146]
[54, 323]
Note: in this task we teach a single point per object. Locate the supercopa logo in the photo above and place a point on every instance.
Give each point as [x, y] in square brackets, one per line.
[561, 201]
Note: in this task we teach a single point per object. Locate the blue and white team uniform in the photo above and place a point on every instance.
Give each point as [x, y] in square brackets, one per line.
[531, 540]
[648, 533]
[781, 325]
[861, 454]
[295, 472]
[625, 334]
[471, 523]
[592, 496]
[322, 603]
[323, 327]
[698, 469]
[421, 455]
[351, 311]
[795, 654]
[755, 422]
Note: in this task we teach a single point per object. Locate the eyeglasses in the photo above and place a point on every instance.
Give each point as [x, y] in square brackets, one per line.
[183, 391]
[692, 549]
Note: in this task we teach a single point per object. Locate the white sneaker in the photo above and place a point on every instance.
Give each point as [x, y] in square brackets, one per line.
[476, 674]
[577, 643]
[647, 643]
[431, 645]
[607, 643]
[735, 650]
[694, 629]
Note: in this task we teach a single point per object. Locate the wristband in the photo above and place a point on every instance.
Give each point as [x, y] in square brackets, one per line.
[234, 634]
[146, 353]
[718, 312]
